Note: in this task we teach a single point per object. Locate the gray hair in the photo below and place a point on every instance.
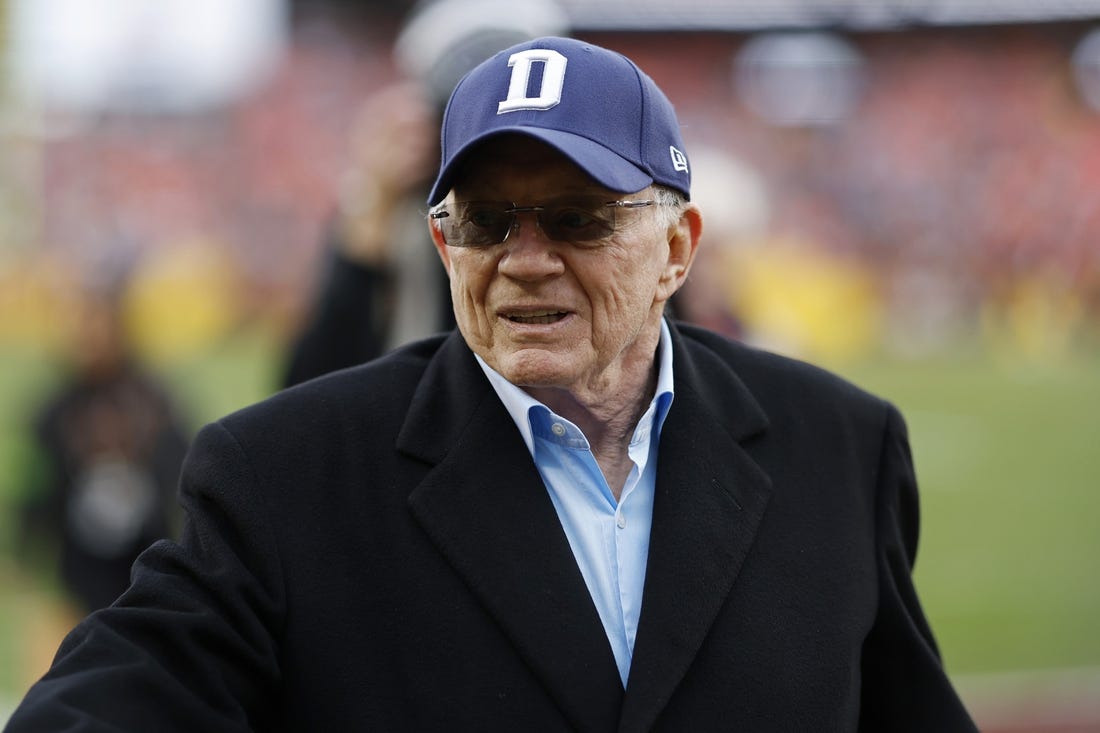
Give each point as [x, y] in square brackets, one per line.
[670, 203]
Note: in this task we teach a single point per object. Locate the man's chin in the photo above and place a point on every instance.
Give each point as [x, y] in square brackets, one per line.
[536, 368]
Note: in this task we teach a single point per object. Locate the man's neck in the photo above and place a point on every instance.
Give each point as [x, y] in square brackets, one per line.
[608, 415]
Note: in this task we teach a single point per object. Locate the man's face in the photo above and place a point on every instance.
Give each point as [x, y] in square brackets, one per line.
[551, 314]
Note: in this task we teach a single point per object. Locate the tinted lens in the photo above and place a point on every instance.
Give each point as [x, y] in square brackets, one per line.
[483, 223]
[577, 220]
[477, 223]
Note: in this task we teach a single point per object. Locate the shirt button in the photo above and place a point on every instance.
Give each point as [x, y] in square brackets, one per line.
[558, 429]
[620, 522]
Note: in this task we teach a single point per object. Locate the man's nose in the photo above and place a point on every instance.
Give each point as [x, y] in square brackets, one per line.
[525, 220]
[529, 254]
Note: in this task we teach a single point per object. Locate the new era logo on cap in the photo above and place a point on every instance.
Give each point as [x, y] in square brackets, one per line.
[679, 160]
[594, 105]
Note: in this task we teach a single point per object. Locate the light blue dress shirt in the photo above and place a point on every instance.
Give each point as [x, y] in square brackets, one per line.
[609, 539]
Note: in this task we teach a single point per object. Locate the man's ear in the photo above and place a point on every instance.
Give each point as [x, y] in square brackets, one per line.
[440, 243]
[683, 242]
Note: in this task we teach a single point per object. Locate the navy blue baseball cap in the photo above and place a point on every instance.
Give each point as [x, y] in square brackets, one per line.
[593, 105]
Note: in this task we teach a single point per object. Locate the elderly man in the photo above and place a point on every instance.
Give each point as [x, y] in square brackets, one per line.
[569, 514]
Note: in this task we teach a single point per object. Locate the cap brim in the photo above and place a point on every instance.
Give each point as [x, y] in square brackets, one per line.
[608, 169]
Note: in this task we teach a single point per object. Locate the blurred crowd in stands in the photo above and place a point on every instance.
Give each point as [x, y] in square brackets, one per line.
[957, 205]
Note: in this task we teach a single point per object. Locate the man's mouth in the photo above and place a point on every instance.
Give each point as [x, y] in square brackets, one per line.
[537, 317]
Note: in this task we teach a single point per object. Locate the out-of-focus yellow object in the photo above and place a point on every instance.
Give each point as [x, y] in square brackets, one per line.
[180, 301]
[31, 313]
[801, 301]
[1039, 318]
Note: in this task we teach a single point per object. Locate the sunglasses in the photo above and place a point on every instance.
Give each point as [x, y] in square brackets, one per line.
[578, 219]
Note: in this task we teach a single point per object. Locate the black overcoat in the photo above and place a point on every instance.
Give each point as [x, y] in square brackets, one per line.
[375, 551]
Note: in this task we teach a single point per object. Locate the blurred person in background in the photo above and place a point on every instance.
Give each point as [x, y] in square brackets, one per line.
[738, 210]
[381, 283]
[109, 450]
[570, 513]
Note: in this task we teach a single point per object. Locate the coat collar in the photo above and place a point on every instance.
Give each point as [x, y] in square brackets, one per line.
[710, 500]
[484, 506]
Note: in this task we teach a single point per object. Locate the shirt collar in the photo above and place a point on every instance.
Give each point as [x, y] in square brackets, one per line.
[519, 403]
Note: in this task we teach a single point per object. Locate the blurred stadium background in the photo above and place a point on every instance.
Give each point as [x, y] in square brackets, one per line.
[906, 192]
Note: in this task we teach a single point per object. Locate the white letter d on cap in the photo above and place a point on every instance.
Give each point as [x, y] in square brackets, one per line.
[553, 77]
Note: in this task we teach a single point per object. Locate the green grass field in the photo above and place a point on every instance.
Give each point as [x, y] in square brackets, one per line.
[1007, 454]
[1008, 459]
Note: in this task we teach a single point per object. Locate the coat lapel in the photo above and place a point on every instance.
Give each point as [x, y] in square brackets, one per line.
[485, 507]
[710, 500]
